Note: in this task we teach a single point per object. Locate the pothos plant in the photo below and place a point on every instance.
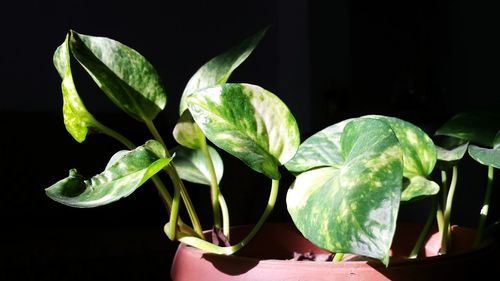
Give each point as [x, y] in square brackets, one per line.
[350, 177]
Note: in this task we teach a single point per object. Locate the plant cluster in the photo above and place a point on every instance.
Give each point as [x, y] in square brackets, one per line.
[351, 177]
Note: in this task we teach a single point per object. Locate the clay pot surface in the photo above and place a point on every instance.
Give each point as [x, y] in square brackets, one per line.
[269, 257]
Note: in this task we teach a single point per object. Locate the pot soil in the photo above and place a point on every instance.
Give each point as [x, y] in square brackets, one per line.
[270, 256]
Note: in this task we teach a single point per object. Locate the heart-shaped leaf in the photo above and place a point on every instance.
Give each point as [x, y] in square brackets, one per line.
[351, 206]
[417, 187]
[125, 172]
[479, 127]
[192, 165]
[187, 133]
[123, 74]
[77, 119]
[248, 122]
[485, 156]
[217, 70]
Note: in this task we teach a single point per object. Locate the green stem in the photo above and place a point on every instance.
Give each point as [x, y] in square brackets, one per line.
[209, 247]
[485, 208]
[425, 230]
[214, 186]
[445, 238]
[444, 186]
[225, 216]
[177, 182]
[440, 219]
[338, 257]
[174, 215]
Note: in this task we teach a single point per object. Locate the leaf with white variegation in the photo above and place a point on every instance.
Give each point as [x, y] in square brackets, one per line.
[187, 133]
[191, 164]
[123, 74]
[248, 122]
[311, 155]
[217, 70]
[77, 119]
[351, 206]
[125, 172]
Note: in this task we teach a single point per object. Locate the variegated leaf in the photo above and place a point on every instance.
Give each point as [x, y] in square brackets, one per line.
[217, 70]
[123, 74]
[248, 122]
[320, 150]
[351, 206]
[417, 187]
[187, 133]
[192, 165]
[77, 119]
[419, 151]
[125, 172]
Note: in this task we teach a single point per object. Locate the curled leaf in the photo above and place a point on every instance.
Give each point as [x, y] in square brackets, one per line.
[123, 74]
[125, 172]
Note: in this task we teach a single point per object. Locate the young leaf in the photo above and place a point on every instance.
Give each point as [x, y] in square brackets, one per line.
[351, 206]
[125, 172]
[479, 127]
[417, 187]
[448, 158]
[76, 117]
[485, 156]
[187, 133]
[192, 166]
[248, 122]
[217, 70]
[124, 75]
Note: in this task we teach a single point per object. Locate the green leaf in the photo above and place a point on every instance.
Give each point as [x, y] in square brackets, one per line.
[125, 172]
[479, 127]
[192, 165]
[123, 74]
[352, 206]
[187, 133]
[320, 150]
[77, 119]
[448, 158]
[419, 152]
[248, 122]
[217, 70]
[417, 187]
[485, 156]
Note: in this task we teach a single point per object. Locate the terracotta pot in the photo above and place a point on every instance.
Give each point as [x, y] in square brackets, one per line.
[268, 256]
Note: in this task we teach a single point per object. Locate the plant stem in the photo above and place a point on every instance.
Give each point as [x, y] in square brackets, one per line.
[338, 257]
[214, 186]
[445, 238]
[225, 216]
[484, 210]
[444, 186]
[177, 182]
[209, 247]
[425, 230]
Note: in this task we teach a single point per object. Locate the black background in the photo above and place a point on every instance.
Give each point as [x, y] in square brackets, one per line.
[422, 61]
